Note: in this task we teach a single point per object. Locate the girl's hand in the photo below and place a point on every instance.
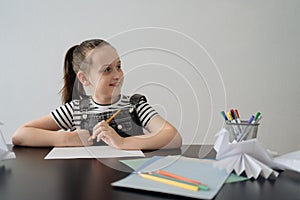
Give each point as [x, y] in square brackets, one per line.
[79, 137]
[102, 131]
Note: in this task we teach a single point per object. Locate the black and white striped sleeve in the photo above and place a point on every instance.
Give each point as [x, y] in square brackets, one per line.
[63, 116]
[145, 113]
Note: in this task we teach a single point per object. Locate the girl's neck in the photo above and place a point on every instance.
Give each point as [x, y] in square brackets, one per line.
[106, 99]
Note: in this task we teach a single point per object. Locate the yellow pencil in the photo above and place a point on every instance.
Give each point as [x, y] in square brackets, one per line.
[170, 182]
[108, 121]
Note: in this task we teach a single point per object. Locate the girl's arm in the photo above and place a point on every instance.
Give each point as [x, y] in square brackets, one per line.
[44, 132]
[162, 135]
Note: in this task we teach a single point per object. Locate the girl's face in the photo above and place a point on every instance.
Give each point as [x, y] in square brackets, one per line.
[105, 75]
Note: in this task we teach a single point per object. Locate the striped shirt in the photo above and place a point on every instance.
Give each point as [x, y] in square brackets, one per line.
[68, 116]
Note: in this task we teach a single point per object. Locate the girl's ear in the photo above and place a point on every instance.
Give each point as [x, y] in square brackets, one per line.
[83, 79]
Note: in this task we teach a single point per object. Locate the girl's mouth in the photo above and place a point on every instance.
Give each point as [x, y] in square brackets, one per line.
[114, 84]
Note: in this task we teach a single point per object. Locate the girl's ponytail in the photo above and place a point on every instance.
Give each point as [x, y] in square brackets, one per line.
[68, 91]
[74, 62]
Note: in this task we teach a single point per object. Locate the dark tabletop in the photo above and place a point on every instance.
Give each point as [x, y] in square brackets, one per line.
[30, 177]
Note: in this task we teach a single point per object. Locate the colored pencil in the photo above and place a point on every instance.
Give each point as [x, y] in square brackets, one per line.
[108, 121]
[201, 187]
[113, 116]
[170, 182]
[162, 172]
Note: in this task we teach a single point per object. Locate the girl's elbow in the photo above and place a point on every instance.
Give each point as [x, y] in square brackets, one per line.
[17, 137]
[176, 139]
[16, 140]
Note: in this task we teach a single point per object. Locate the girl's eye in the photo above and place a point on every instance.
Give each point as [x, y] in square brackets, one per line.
[108, 69]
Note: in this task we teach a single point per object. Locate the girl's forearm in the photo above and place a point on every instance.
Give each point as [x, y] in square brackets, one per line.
[30, 136]
[167, 138]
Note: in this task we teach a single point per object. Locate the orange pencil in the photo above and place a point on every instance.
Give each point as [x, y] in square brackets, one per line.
[178, 177]
[113, 116]
[109, 120]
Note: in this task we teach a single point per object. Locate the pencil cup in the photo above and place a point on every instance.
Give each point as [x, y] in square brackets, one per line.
[241, 131]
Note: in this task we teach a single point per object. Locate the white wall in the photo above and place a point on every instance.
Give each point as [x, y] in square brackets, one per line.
[191, 58]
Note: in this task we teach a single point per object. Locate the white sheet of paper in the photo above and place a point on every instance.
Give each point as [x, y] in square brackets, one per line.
[290, 161]
[91, 152]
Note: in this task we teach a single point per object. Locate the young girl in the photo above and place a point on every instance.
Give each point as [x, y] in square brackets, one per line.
[95, 64]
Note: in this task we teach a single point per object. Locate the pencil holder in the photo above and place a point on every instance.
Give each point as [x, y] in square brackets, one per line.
[241, 131]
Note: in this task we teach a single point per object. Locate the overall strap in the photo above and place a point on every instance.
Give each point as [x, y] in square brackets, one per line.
[136, 99]
[84, 103]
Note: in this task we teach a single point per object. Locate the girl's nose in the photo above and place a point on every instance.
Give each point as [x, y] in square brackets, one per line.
[117, 73]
